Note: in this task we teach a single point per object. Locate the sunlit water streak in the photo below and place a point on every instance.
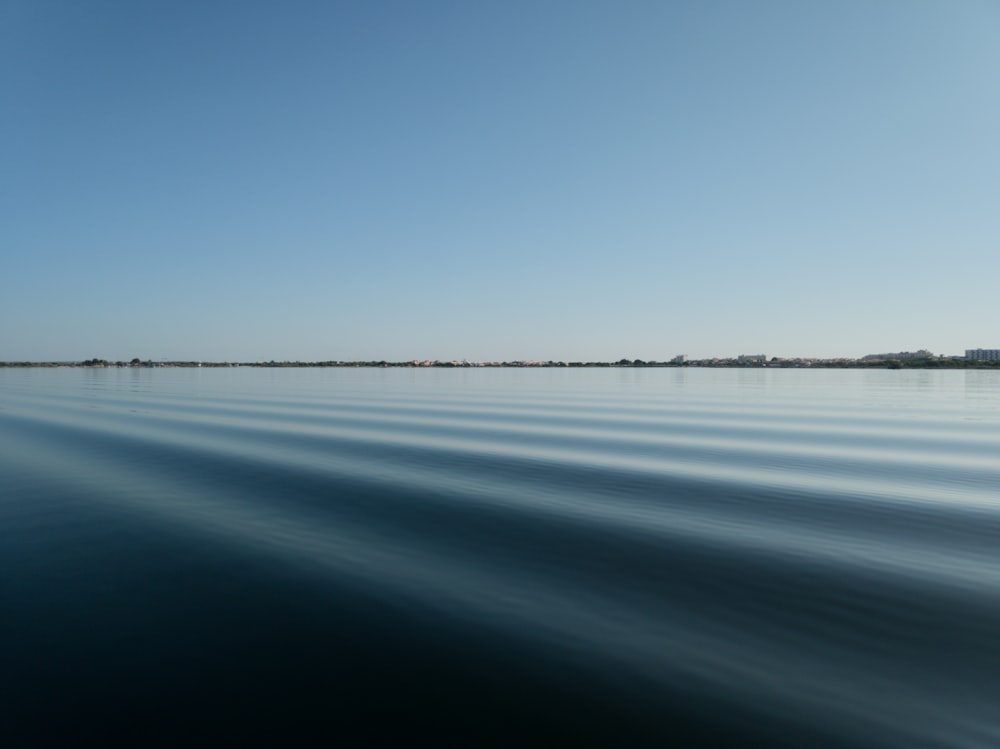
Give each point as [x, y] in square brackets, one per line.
[765, 556]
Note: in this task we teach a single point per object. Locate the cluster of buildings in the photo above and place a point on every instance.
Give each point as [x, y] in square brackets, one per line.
[971, 354]
[895, 358]
[982, 354]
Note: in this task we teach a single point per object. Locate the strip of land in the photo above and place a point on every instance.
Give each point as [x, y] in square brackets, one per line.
[874, 361]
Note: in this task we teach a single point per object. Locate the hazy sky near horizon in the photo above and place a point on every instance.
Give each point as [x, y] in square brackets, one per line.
[498, 180]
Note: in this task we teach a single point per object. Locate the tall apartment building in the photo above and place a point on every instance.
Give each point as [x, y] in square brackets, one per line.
[982, 354]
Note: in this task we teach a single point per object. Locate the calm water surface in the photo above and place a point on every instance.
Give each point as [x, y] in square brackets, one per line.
[618, 556]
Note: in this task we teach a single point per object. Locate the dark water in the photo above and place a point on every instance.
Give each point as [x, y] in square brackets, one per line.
[517, 557]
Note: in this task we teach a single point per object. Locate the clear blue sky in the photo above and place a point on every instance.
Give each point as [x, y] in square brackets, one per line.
[498, 180]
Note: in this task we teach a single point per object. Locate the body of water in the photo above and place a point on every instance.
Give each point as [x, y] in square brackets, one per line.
[508, 556]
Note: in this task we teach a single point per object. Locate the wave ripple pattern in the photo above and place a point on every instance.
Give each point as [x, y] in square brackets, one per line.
[616, 556]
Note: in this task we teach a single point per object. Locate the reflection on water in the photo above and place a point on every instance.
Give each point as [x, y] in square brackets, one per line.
[637, 556]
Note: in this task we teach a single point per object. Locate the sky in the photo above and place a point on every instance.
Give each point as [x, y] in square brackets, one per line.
[578, 180]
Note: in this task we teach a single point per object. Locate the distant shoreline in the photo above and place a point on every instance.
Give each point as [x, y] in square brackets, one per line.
[776, 363]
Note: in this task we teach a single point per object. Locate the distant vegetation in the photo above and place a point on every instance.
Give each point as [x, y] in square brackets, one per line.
[931, 362]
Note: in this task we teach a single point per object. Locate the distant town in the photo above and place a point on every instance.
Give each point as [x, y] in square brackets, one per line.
[922, 359]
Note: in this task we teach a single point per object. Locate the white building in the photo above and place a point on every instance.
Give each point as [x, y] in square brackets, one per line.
[982, 354]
